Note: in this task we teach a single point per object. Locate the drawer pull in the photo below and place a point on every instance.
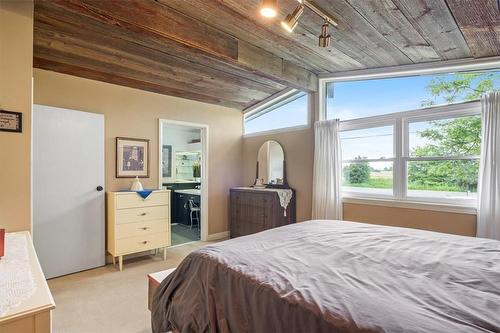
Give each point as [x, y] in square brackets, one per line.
[145, 242]
[144, 228]
[143, 214]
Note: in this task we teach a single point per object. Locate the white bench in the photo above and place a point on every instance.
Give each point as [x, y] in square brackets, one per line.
[154, 281]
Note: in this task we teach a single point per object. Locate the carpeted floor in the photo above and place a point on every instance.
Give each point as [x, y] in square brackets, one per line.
[183, 234]
[105, 300]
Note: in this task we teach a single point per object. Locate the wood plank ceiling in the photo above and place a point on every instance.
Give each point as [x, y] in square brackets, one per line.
[223, 52]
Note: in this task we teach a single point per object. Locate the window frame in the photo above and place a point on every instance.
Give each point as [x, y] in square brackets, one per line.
[273, 102]
[401, 157]
[367, 123]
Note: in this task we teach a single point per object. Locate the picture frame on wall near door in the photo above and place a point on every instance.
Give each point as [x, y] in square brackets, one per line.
[132, 158]
[11, 121]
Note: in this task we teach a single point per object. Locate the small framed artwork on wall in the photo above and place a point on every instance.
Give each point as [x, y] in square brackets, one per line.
[132, 158]
[11, 121]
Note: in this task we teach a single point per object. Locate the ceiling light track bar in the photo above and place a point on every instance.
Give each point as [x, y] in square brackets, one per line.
[319, 11]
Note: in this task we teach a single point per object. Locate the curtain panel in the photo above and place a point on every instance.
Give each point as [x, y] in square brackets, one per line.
[327, 178]
[488, 216]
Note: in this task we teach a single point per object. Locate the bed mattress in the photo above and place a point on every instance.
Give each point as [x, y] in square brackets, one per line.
[335, 276]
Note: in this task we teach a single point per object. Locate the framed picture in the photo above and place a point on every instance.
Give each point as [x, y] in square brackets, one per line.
[11, 121]
[132, 158]
[166, 162]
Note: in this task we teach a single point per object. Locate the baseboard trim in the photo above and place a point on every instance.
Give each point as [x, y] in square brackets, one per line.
[218, 236]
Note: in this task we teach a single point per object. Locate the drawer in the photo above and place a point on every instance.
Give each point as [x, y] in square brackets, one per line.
[141, 214]
[133, 200]
[254, 199]
[141, 243]
[141, 228]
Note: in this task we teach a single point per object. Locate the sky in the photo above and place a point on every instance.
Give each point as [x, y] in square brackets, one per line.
[358, 99]
[355, 99]
[288, 115]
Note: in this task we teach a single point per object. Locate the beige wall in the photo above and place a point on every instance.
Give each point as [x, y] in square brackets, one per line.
[16, 58]
[135, 113]
[453, 223]
[298, 147]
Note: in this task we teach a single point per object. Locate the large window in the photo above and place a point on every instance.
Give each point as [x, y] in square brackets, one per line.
[367, 98]
[368, 170]
[413, 138]
[422, 155]
[443, 157]
[288, 111]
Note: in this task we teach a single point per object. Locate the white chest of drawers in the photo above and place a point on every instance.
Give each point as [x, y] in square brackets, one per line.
[135, 224]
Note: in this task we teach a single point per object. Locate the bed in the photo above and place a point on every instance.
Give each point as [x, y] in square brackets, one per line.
[335, 276]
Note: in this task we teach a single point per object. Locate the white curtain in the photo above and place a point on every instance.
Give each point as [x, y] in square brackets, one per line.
[327, 195]
[488, 218]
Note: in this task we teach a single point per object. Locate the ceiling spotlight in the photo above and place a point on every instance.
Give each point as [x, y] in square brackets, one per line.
[324, 38]
[269, 8]
[291, 20]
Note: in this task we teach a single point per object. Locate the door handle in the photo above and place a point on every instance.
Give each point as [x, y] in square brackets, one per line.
[99, 188]
[143, 214]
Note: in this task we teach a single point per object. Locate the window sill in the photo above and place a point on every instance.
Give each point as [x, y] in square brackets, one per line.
[438, 207]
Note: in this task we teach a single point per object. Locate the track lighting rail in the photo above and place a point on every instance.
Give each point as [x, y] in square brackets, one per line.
[319, 11]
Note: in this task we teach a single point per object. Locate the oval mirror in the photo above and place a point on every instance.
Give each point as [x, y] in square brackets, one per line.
[271, 166]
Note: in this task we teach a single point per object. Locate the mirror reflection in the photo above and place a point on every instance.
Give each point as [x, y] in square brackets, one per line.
[270, 160]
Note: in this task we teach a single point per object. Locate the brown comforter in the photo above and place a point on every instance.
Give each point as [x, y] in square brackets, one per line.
[332, 276]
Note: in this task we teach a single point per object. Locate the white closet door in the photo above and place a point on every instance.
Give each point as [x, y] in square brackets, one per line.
[68, 193]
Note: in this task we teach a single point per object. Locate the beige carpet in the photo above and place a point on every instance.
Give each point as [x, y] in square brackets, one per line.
[107, 300]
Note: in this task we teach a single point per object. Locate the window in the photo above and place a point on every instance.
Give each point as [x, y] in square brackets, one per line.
[427, 155]
[360, 99]
[368, 171]
[285, 112]
[443, 157]
[414, 138]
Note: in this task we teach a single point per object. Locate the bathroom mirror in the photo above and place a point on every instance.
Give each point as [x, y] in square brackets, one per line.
[271, 165]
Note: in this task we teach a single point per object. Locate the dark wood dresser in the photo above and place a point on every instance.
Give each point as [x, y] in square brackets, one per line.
[254, 210]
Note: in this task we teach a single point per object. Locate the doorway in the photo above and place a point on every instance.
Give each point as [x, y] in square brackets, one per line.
[183, 170]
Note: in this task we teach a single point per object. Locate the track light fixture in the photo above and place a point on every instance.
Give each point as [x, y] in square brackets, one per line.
[291, 20]
[324, 38]
[269, 8]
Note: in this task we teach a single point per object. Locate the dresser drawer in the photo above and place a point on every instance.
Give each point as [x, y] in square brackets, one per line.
[141, 214]
[141, 228]
[133, 200]
[141, 243]
[255, 210]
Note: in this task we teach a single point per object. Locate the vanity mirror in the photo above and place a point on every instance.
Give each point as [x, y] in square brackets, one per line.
[271, 165]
